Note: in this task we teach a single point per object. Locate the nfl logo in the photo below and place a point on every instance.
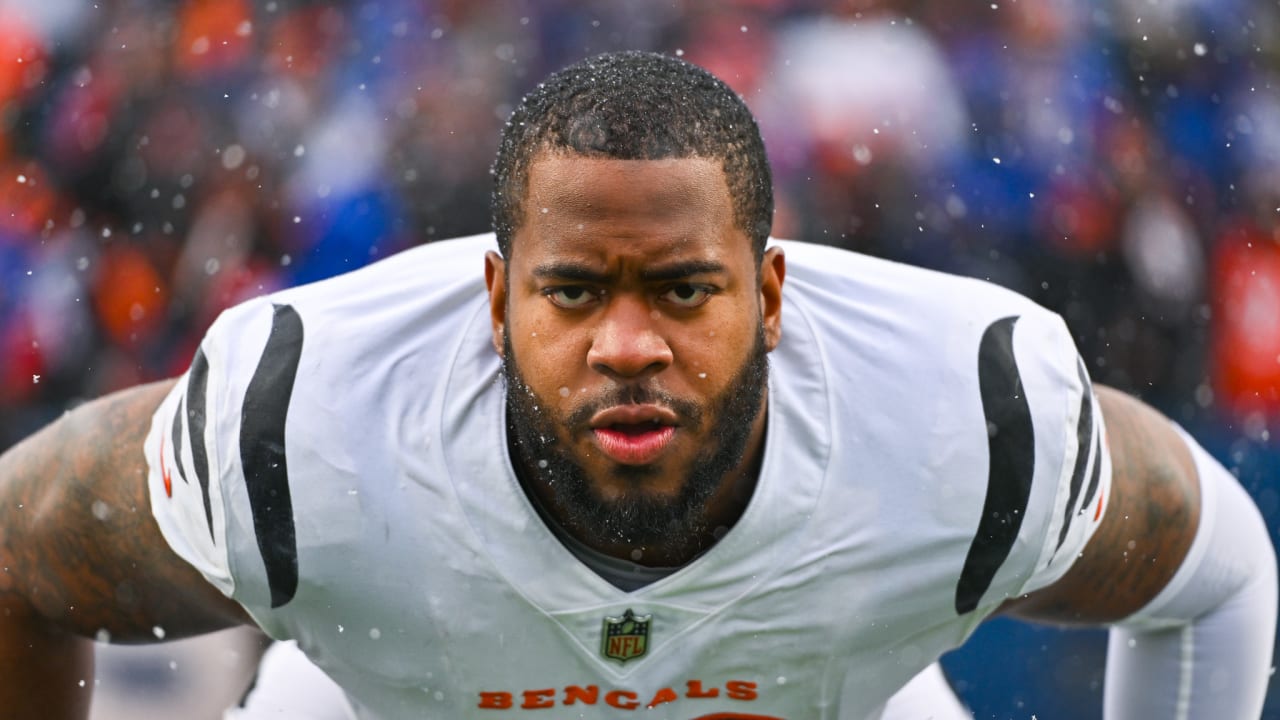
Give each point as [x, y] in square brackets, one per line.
[625, 638]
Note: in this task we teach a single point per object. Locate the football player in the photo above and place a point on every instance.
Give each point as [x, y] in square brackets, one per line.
[629, 454]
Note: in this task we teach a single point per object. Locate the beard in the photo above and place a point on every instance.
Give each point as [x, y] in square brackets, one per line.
[636, 517]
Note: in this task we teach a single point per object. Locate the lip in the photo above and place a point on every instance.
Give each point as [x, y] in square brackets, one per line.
[634, 448]
[629, 447]
[632, 415]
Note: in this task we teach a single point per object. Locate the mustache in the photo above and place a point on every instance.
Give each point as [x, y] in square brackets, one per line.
[635, 394]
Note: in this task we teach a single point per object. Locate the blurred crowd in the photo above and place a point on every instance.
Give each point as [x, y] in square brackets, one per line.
[1117, 160]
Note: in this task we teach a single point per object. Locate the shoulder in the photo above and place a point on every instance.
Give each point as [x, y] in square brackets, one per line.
[296, 399]
[429, 277]
[848, 281]
[337, 333]
[959, 399]
[897, 328]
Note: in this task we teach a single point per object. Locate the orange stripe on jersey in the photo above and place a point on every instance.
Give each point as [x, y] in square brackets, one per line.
[1098, 513]
[164, 471]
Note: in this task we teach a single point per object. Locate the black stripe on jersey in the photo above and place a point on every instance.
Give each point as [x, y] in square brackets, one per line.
[1084, 439]
[177, 444]
[1096, 476]
[262, 452]
[1011, 445]
[197, 389]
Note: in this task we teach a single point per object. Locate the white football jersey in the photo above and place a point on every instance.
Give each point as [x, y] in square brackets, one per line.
[335, 460]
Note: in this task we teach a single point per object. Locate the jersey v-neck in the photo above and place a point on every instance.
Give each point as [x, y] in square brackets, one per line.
[623, 574]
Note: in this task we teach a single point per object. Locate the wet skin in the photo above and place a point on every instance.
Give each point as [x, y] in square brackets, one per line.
[630, 302]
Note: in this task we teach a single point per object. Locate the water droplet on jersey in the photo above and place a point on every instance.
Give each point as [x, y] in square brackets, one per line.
[341, 629]
[782, 680]
[375, 633]
[173, 664]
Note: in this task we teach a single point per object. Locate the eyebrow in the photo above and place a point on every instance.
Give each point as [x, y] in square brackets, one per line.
[681, 270]
[566, 270]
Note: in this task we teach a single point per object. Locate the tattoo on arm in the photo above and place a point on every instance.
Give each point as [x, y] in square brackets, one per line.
[1150, 521]
[80, 543]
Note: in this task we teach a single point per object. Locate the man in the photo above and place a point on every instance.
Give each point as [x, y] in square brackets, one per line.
[628, 471]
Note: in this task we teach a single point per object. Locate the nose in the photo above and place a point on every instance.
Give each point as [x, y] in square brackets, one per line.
[628, 342]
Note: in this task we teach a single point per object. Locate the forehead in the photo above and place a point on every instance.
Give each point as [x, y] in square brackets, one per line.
[575, 202]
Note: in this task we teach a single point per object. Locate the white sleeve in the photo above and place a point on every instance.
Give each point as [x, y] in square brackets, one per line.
[183, 457]
[1202, 649]
[1072, 434]
[1048, 468]
[193, 448]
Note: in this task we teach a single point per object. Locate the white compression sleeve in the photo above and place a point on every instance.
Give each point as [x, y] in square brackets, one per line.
[1201, 650]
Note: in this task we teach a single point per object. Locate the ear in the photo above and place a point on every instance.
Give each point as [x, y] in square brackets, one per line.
[495, 279]
[773, 271]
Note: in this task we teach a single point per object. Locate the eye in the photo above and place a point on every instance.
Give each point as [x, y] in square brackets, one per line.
[569, 296]
[687, 295]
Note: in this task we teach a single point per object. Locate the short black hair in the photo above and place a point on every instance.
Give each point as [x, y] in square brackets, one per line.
[635, 106]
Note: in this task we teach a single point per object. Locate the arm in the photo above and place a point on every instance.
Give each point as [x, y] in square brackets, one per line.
[1183, 562]
[81, 554]
[1154, 503]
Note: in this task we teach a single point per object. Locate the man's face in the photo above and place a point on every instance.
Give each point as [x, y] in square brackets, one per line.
[634, 321]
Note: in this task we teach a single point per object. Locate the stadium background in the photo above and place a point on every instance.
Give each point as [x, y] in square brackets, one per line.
[1118, 161]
